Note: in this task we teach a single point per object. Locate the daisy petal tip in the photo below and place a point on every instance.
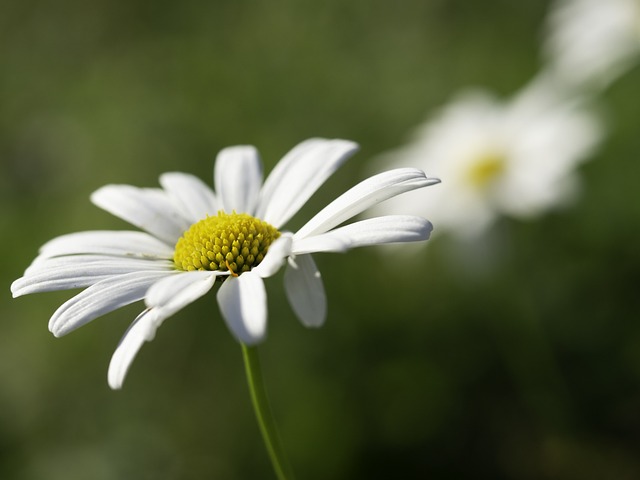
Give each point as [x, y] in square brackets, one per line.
[239, 150]
[315, 320]
[343, 148]
[166, 176]
[426, 228]
[249, 335]
[97, 196]
[116, 374]
[425, 180]
[429, 230]
[58, 328]
[426, 235]
[350, 146]
[433, 181]
[247, 332]
[417, 229]
[114, 382]
[57, 331]
[16, 291]
[252, 339]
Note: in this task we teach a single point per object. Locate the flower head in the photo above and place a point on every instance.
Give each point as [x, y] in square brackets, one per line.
[193, 238]
[592, 42]
[513, 158]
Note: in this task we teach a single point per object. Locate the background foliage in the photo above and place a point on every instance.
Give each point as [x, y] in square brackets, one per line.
[526, 368]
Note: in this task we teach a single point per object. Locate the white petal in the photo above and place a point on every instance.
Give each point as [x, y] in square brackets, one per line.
[194, 197]
[150, 209]
[238, 177]
[364, 195]
[77, 271]
[124, 243]
[100, 298]
[44, 264]
[374, 231]
[170, 295]
[298, 175]
[305, 291]
[177, 291]
[243, 304]
[143, 329]
[275, 257]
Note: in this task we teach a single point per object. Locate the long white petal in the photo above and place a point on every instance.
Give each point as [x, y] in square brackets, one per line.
[105, 242]
[364, 195]
[237, 178]
[373, 231]
[150, 209]
[298, 175]
[305, 291]
[167, 297]
[106, 260]
[77, 271]
[195, 198]
[177, 291]
[243, 304]
[275, 257]
[143, 329]
[100, 298]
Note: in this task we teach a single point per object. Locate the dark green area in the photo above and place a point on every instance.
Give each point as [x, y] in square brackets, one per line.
[528, 370]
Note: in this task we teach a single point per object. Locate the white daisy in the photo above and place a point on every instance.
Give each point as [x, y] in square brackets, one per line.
[512, 158]
[592, 42]
[193, 237]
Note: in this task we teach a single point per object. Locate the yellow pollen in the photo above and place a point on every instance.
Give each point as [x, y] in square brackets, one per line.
[486, 169]
[234, 242]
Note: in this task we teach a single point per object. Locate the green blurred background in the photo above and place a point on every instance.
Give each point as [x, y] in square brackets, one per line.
[527, 369]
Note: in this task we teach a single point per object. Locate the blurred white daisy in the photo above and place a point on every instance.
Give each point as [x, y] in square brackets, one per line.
[513, 158]
[592, 42]
[193, 237]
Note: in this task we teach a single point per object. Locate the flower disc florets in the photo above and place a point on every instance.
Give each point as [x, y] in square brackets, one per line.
[236, 242]
[486, 169]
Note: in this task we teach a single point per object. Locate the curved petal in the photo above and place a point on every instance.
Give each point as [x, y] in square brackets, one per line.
[105, 242]
[77, 271]
[367, 193]
[170, 295]
[298, 175]
[373, 231]
[243, 304]
[100, 298]
[237, 178]
[195, 198]
[177, 291]
[143, 329]
[275, 257]
[305, 291]
[150, 209]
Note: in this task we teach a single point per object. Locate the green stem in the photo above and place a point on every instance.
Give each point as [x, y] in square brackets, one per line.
[263, 413]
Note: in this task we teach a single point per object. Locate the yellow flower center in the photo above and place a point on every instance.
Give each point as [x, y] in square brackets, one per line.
[485, 169]
[236, 242]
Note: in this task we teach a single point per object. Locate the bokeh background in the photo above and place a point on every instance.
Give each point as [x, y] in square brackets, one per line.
[525, 368]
